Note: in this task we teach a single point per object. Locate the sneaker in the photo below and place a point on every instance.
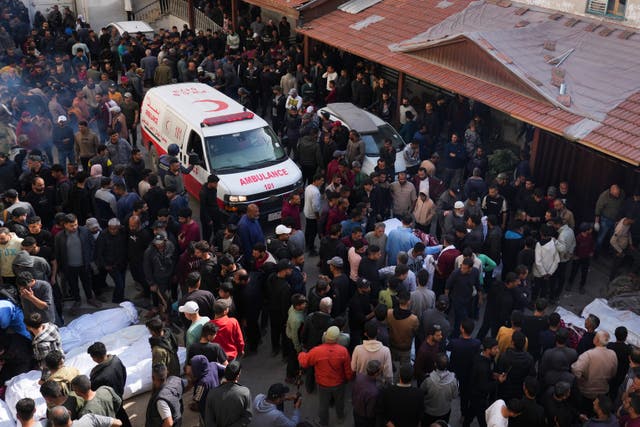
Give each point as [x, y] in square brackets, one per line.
[94, 302]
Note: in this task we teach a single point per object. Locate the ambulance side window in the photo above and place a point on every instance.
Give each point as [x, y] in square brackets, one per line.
[195, 145]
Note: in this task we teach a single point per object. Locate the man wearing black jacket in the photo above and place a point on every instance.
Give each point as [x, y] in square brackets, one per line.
[138, 240]
[209, 269]
[533, 325]
[111, 372]
[516, 364]
[532, 413]
[360, 311]
[278, 304]
[155, 197]
[369, 270]
[74, 259]
[111, 255]
[331, 246]
[484, 382]
[209, 209]
[502, 299]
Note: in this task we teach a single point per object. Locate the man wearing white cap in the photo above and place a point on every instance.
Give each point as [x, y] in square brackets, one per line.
[63, 140]
[454, 218]
[294, 101]
[119, 122]
[190, 309]
[278, 247]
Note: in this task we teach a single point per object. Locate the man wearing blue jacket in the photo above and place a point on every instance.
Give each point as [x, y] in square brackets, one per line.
[266, 412]
[249, 230]
[11, 317]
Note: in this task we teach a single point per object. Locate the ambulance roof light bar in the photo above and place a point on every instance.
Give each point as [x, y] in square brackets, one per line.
[228, 118]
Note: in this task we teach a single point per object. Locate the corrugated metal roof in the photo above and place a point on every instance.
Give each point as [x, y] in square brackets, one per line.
[366, 22]
[357, 6]
[577, 54]
[581, 129]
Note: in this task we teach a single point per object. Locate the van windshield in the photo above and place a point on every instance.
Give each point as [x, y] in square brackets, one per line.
[243, 150]
[373, 141]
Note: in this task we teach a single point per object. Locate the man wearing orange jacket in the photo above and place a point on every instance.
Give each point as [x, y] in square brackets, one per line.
[332, 371]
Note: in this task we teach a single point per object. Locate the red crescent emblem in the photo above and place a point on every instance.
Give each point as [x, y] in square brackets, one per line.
[221, 105]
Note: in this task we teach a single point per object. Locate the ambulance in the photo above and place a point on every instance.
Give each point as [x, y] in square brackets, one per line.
[219, 136]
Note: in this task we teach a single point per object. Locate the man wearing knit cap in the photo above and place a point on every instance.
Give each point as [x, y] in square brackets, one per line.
[332, 366]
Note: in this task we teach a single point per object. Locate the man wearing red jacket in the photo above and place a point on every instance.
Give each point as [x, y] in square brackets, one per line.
[332, 371]
[445, 264]
[229, 335]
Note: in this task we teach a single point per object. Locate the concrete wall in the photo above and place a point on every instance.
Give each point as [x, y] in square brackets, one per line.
[168, 21]
[578, 7]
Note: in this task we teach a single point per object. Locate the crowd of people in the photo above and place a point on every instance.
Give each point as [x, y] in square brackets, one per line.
[451, 306]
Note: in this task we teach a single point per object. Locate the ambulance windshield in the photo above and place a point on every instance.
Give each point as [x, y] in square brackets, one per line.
[244, 150]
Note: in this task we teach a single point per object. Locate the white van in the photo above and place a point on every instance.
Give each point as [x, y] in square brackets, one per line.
[230, 141]
[132, 28]
[373, 131]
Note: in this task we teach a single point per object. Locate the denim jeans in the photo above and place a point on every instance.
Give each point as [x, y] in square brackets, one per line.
[606, 225]
[65, 156]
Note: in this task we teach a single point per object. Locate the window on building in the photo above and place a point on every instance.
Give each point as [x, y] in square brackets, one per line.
[612, 8]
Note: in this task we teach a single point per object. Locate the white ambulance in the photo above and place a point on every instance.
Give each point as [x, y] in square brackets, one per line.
[228, 140]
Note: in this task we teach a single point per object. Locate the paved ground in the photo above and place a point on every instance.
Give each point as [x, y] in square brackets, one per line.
[260, 371]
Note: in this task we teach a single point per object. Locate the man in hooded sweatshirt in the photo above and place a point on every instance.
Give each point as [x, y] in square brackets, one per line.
[266, 412]
[440, 388]
[546, 263]
[164, 347]
[206, 376]
[403, 326]
[372, 349]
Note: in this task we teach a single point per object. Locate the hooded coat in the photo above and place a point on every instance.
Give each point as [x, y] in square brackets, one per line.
[439, 388]
[37, 266]
[207, 376]
[372, 350]
[164, 350]
[266, 414]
